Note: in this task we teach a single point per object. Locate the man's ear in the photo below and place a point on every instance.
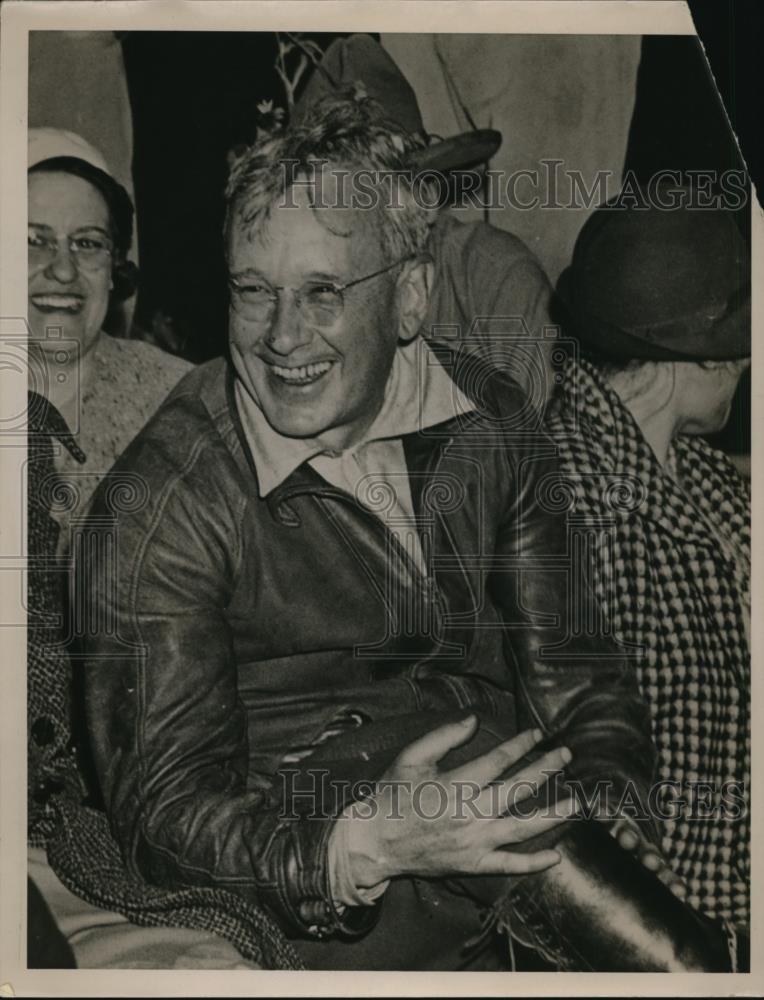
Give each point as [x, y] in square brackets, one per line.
[414, 287]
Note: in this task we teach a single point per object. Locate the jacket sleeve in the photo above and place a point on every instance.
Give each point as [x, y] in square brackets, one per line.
[169, 731]
[573, 679]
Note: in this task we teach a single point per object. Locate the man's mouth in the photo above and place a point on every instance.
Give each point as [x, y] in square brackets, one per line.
[56, 302]
[304, 375]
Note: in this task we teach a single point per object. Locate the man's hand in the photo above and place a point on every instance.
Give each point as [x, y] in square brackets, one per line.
[631, 839]
[428, 822]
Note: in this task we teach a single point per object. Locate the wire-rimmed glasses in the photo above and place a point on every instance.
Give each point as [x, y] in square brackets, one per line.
[320, 302]
[92, 249]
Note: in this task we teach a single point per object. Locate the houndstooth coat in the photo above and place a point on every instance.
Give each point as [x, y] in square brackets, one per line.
[673, 570]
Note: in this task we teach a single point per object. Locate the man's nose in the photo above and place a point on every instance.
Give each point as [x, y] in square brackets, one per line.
[63, 264]
[288, 330]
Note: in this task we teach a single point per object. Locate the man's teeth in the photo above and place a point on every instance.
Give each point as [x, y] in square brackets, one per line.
[57, 301]
[305, 373]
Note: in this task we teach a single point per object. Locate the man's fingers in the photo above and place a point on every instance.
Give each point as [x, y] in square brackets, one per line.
[671, 880]
[652, 861]
[502, 796]
[433, 746]
[516, 829]
[507, 863]
[483, 769]
[630, 840]
[678, 887]
[627, 838]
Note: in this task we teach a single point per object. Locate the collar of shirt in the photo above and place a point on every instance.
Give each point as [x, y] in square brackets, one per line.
[419, 394]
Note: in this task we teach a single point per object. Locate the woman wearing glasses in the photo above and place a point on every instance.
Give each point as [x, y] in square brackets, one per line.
[80, 231]
[103, 390]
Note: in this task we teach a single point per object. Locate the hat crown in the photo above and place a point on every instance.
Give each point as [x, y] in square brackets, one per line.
[651, 282]
[650, 266]
[52, 143]
[359, 59]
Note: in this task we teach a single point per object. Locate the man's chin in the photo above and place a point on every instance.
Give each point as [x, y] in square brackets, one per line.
[294, 425]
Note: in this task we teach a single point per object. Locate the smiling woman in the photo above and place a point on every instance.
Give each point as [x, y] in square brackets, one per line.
[79, 233]
[70, 251]
[80, 223]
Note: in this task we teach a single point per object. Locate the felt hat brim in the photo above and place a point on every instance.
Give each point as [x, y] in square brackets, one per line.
[695, 337]
[460, 152]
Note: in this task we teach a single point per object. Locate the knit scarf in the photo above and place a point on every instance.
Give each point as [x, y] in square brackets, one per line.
[673, 579]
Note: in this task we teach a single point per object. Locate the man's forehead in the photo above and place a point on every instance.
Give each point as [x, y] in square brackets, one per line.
[299, 219]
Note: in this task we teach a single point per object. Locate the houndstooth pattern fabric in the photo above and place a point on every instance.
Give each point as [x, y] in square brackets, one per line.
[675, 581]
[77, 839]
[51, 767]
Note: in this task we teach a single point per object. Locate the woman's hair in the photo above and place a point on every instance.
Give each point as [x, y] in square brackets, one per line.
[124, 275]
[124, 272]
[629, 378]
[609, 366]
[352, 134]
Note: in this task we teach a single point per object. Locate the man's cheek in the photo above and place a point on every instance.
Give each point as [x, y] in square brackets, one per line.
[247, 367]
[241, 334]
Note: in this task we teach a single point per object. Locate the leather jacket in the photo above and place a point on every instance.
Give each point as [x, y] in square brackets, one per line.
[230, 630]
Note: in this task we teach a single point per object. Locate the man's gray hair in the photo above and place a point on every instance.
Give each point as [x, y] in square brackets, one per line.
[349, 133]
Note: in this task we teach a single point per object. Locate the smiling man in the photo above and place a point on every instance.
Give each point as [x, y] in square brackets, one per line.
[329, 629]
[309, 359]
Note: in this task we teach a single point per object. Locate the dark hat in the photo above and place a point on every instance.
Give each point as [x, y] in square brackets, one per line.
[660, 284]
[359, 59]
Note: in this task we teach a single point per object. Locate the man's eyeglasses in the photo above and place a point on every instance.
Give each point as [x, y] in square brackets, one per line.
[319, 302]
[90, 248]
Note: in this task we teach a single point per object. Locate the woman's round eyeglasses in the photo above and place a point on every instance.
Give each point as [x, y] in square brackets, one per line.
[90, 248]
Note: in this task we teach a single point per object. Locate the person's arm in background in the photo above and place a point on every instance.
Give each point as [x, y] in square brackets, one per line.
[491, 292]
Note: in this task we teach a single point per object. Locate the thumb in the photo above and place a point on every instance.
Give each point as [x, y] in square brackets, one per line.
[433, 746]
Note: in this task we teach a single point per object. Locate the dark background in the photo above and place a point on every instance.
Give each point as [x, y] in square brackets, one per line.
[731, 33]
[679, 122]
[193, 97]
